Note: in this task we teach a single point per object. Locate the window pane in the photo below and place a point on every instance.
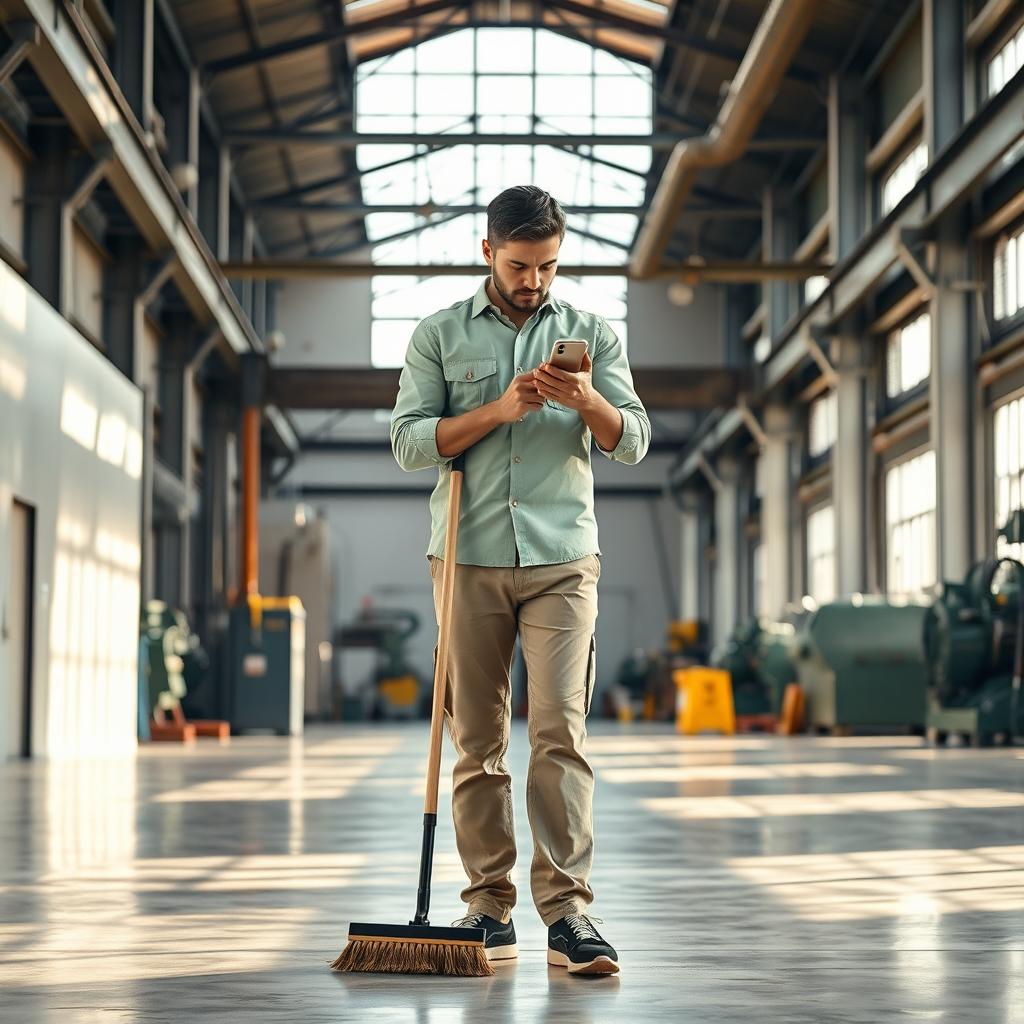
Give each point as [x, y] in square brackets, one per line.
[910, 525]
[504, 49]
[448, 53]
[444, 124]
[565, 94]
[385, 122]
[564, 124]
[606, 63]
[624, 96]
[389, 340]
[638, 158]
[504, 94]
[386, 94]
[374, 156]
[558, 55]
[444, 94]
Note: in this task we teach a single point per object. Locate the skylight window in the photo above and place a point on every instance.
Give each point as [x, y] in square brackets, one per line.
[498, 81]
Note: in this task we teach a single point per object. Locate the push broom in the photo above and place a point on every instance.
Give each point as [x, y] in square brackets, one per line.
[419, 947]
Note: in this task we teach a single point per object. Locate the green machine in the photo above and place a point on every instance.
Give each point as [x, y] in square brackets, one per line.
[758, 656]
[268, 651]
[973, 637]
[861, 663]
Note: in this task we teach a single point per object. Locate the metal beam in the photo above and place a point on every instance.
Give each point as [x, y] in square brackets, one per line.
[423, 209]
[655, 140]
[102, 155]
[337, 180]
[409, 16]
[333, 388]
[25, 35]
[262, 54]
[721, 272]
[696, 42]
[280, 137]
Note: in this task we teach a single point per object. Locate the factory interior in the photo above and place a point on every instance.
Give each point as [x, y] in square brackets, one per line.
[221, 223]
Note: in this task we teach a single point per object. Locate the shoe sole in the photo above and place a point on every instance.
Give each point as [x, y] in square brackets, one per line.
[599, 965]
[510, 952]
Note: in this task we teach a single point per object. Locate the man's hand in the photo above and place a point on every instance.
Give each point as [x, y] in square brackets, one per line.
[573, 390]
[520, 398]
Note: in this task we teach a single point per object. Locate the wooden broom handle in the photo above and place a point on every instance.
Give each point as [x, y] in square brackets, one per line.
[444, 634]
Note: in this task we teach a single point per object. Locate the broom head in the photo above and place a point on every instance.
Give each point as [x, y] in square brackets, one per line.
[415, 949]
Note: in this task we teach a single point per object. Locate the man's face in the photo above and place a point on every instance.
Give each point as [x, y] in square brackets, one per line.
[522, 272]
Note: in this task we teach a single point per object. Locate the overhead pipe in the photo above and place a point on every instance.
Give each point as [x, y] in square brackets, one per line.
[778, 37]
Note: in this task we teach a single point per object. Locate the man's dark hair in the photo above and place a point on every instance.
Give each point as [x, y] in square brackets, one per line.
[523, 213]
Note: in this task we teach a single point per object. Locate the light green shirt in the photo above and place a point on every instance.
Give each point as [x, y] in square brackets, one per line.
[528, 486]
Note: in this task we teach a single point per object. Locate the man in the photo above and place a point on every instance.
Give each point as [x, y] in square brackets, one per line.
[476, 380]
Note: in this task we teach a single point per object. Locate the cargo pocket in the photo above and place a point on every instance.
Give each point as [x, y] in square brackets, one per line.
[470, 382]
[591, 674]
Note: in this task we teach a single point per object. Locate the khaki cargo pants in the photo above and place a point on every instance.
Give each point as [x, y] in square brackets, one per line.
[554, 609]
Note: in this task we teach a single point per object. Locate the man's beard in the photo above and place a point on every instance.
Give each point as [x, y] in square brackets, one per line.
[510, 297]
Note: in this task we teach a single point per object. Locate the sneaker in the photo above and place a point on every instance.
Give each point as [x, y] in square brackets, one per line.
[499, 939]
[575, 943]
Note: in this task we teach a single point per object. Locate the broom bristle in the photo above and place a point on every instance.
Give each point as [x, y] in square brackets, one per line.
[386, 956]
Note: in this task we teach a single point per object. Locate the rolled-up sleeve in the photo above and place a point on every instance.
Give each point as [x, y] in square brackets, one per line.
[612, 379]
[422, 396]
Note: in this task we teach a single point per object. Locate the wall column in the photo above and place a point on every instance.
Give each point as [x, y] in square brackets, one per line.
[727, 544]
[777, 509]
[849, 464]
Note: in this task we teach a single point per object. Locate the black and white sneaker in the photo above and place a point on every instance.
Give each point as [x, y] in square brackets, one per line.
[575, 943]
[499, 939]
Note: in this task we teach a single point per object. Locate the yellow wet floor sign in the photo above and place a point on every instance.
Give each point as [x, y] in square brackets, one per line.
[704, 701]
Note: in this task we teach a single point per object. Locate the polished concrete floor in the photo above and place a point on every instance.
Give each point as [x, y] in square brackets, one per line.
[754, 878]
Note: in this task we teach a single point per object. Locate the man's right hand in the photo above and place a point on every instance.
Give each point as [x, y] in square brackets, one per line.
[520, 398]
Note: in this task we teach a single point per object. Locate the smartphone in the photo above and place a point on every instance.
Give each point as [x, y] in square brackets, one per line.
[567, 354]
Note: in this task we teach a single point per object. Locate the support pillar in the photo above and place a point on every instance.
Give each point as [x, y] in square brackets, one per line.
[852, 361]
[944, 25]
[133, 57]
[777, 244]
[847, 184]
[951, 394]
[777, 509]
[48, 184]
[691, 556]
[727, 545]
[253, 376]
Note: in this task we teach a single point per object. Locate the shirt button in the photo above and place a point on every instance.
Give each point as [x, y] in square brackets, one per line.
[515, 504]
[516, 459]
[519, 369]
[469, 375]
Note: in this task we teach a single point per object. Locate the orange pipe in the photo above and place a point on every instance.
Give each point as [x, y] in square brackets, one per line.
[250, 500]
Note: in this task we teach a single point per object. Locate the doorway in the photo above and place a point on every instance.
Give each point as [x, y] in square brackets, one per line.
[17, 629]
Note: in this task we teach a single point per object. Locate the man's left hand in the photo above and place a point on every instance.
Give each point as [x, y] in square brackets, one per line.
[573, 390]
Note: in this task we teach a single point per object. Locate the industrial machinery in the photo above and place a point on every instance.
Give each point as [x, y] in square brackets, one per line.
[394, 687]
[974, 634]
[268, 650]
[861, 664]
[172, 664]
[758, 656]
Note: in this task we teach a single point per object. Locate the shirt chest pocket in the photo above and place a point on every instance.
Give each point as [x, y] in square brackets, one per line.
[470, 383]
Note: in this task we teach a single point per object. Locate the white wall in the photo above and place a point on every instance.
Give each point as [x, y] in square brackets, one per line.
[663, 334]
[72, 448]
[325, 322]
